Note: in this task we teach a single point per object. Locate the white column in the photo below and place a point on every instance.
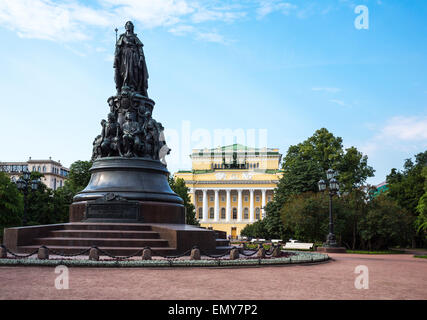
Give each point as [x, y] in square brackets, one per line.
[205, 205]
[263, 203]
[216, 208]
[239, 205]
[228, 207]
[251, 206]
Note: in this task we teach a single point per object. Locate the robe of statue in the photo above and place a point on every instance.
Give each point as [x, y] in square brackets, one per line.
[129, 62]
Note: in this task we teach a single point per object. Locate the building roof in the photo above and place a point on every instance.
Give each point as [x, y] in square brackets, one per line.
[239, 148]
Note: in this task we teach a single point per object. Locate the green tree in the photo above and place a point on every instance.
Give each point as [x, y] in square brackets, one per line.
[305, 217]
[421, 222]
[255, 230]
[407, 188]
[353, 170]
[79, 176]
[40, 203]
[306, 163]
[11, 204]
[385, 224]
[179, 187]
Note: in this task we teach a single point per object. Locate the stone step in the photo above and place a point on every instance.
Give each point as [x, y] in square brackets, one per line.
[108, 226]
[223, 248]
[116, 251]
[222, 242]
[107, 242]
[122, 234]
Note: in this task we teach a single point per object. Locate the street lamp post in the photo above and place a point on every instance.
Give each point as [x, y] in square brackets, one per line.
[23, 183]
[333, 189]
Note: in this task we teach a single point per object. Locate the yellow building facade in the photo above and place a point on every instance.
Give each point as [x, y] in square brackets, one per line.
[230, 185]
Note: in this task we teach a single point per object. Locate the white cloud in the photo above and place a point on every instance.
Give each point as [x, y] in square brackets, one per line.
[182, 30]
[399, 133]
[71, 20]
[223, 14]
[406, 129]
[269, 6]
[339, 102]
[326, 89]
[210, 37]
[150, 13]
[43, 19]
[76, 20]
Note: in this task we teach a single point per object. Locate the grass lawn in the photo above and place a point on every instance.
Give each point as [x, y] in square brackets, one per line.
[424, 256]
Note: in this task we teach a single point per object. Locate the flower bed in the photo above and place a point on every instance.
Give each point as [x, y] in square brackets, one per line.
[288, 257]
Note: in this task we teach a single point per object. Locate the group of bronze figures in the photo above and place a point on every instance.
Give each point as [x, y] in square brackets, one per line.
[130, 130]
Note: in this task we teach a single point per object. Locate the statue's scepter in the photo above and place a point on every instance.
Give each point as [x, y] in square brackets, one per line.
[116, 33]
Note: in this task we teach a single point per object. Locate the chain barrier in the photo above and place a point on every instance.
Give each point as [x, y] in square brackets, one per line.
[170, 258]
[175, 257]
[62, 254]
[137, 253]
[21, 256]
[215, 256]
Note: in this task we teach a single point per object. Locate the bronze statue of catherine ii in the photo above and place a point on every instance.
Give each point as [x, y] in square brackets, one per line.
[129, 62]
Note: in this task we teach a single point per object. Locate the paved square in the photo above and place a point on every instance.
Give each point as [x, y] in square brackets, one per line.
[390, 277]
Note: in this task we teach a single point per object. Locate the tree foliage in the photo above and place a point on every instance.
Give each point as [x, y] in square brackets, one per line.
[407, 188]
[255, 230]
[376, 224]
[11, 203]
[179, 187]
[306, 163]
[385, 224]
[421, 222]
[79, 176]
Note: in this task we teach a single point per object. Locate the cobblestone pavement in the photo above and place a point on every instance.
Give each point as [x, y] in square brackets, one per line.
[398, 276]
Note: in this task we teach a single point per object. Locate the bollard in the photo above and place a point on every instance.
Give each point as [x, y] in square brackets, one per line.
[234, 254]
[195, 254]
[94, 254]
[261, 253]
[43, 253]
[146, 254]
[3, 252]
[277, 252]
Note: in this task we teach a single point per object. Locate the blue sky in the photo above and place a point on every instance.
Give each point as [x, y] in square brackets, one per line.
[285, 67]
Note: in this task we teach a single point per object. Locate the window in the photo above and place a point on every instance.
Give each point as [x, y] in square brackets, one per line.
[44, 168]
[257, 198]
[269, 198]
[234, 198]
[257, 213]
[39, 169]
[223, 213]
[246, 214]
[234, 214]
[222, 198]
[211, 213]
[200, 198]
[200, 213]
[246, 198]
[211, 198]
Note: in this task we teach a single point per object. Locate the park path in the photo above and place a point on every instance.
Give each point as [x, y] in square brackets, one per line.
[397, 276]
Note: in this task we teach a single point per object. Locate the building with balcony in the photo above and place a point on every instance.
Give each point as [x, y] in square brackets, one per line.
[54, 173]
[230, 185]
